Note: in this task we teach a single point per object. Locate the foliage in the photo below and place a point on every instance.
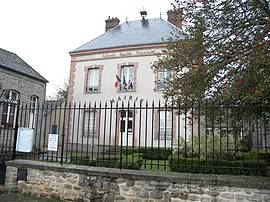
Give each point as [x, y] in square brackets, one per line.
[156, 165]
[203, 165]
[157, 153]
[131, 161]
[151, 153]
[80, 159]
[243, 163]
[226, 55]
[61, 92]
[211, 146]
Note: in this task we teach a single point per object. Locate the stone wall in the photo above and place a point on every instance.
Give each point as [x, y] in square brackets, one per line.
[83, 183]
[25, 85]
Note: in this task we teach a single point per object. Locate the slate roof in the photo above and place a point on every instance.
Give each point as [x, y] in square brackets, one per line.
[13, 62]
[133, 33]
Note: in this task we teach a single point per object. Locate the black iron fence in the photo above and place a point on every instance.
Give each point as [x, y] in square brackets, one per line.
[208, 137]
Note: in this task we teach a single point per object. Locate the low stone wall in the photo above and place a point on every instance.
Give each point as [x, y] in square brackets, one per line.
[83, 183]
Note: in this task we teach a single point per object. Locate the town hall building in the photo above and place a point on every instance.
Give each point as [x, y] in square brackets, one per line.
[114, 71]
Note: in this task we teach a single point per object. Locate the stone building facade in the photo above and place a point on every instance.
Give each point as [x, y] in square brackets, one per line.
[17, 76]
[19, 84]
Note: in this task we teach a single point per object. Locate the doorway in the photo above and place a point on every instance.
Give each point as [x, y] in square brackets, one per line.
[126, 127]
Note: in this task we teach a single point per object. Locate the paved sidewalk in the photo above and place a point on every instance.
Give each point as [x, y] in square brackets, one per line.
[5, 197]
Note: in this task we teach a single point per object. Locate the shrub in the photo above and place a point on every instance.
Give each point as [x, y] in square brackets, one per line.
[127, 151]
[131, 161]
[214, 166]
[80, 159]
[108, 161]
[151, 153]
[155, 153]
[211, 146]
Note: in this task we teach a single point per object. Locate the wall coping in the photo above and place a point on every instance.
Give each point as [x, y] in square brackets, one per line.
[184, 178]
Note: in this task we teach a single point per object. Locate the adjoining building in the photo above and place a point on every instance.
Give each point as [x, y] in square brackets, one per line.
[114, 69]
[19, 81]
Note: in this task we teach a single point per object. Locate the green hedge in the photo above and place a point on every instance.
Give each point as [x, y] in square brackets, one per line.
[156, 153]
[107, 161]
[131, 161]
[80, 159]
[209, 166]
[151, 153]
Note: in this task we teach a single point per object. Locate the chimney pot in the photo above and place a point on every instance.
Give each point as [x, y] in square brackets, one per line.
[175, 17]
[111, 23]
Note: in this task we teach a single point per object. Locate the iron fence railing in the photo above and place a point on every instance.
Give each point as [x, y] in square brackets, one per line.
[218, 138]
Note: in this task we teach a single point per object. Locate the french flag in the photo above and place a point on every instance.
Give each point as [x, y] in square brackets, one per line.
[117, 82]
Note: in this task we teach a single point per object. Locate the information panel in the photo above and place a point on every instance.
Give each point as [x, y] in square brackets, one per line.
[53, 142]
[25, 139]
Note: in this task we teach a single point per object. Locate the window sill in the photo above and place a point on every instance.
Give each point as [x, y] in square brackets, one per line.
[92, 92]
[126, 91]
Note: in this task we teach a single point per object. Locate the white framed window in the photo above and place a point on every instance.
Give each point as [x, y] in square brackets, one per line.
[164, 125]
[127, 76]
[162, 75]
[93, 80]
[90, 123]
[10, 109]
[33, 111]
[33, 103]
[127, 73]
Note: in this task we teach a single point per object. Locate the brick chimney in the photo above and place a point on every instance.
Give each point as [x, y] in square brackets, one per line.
[111, 23]
[175, 17]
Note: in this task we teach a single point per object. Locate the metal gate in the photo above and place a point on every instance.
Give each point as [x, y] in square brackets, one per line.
[9, 112]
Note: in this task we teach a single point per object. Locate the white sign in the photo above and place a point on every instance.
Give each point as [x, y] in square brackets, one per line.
[25, 139]
[53, 142]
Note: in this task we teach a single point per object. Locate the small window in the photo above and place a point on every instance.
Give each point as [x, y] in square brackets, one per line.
[161, 78]
[165, 125]
[10, 109]
[33, 103]
[126, 77]
[90, 123]
[33, 111]
[92, 82]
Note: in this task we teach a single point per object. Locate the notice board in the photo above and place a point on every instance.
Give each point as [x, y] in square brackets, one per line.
[53, 142]
[25, 139]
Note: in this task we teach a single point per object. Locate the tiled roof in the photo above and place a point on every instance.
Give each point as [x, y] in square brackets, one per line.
[133, 33]
[13, 62]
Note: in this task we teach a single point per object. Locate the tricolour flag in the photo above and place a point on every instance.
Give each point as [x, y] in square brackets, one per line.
[130, 84]
[118, 80]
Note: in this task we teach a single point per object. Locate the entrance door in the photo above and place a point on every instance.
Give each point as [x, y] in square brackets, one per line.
[126, 128]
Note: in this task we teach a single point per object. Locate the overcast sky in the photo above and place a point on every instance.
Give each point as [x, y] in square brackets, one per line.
[43, 32]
